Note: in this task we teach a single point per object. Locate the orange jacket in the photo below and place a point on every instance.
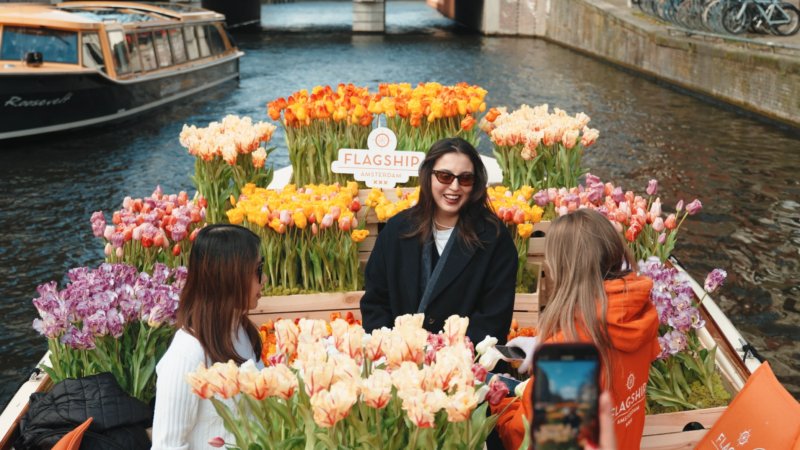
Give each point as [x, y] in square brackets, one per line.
[633, 330]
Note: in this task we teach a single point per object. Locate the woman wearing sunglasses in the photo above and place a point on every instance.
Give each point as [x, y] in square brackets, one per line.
[223, 284]
[447, 255]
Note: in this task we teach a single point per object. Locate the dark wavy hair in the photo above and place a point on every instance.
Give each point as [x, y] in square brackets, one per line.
[477, 207]
[216, 298]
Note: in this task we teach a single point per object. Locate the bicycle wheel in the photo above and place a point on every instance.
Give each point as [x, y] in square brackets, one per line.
[792, 26]
[734, 19]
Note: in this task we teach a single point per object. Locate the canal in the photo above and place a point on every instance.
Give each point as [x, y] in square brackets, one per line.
[743, 170]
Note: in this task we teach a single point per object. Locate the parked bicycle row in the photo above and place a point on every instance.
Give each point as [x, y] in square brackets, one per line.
[727, 16]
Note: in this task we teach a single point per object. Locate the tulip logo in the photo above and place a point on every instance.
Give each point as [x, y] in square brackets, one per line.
[631, 381]
[744, 437]
[382, 165]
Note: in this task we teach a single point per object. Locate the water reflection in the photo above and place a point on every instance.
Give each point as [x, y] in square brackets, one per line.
[744, 171]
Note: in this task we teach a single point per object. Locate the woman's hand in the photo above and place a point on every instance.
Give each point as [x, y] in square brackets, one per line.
[527, 345]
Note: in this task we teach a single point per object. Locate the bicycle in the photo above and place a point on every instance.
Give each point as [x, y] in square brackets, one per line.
[782, 19]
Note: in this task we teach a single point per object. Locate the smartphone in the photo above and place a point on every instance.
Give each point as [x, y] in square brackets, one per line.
[510, 352]
[511, 383]
[565, 394]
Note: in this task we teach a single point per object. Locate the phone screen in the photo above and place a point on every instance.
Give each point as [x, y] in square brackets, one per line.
[565, 396]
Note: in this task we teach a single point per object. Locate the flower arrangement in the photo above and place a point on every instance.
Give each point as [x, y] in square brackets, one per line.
[404, 388]
[269, 347]
[228, 156]
[318, 124]
[385, 208]
[684, 376]
[309, 235]
[515, 210]
[538, 148]
[155, 229]
[110, 319]
[640, 219]
[422, 115]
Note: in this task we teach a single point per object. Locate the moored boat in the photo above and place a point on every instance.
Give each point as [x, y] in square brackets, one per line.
[76, 64]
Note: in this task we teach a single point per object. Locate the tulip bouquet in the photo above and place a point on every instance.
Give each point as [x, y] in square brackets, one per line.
[158, 228]
[318, 124]
[515, 210]
[269, 347]
[640, 219]
[684, 376]
[340, 387]
[424, 114]
[228, 156]
[385, 208]
[309, 235]
[538, 148]
[110, 319]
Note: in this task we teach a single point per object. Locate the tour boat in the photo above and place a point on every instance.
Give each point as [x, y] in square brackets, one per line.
[75, 64]
[735, 359]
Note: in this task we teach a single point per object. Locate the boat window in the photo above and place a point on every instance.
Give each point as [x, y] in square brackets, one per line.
[162, 48]
[54, 45]
[146, 51]
[202, 41]
[215, 40]
[92, 51]
[191, 43]
[117, 42]
[133, 51]
[176, 42]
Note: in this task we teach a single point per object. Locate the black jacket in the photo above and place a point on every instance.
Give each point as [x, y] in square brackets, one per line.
[119, 420]
[478, 283]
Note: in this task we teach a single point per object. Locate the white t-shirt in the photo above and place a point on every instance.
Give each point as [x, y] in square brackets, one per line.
[441, 237]
[182, 420]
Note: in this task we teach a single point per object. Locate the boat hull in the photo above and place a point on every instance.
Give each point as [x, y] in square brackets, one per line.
[32, 104]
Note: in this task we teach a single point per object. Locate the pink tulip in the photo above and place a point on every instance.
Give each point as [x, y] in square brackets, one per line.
[335, 212]
[679, 206]
[108, 248]
[662, 238]
[694, 207]
[658, 224]
[216, 442]
[652, 187]
[655, 209]
[327, 221]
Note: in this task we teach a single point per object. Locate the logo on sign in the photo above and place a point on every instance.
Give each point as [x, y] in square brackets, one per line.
[381, 165]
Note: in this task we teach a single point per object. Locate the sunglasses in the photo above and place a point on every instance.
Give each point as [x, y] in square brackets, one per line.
[465, 179]
[260, 270]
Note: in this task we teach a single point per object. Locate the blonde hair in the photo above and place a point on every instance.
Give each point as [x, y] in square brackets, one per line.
[583, 250]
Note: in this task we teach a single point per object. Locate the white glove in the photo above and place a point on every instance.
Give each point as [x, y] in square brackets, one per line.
[527, 345]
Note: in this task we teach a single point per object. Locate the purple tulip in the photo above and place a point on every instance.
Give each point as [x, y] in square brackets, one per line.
[694, 207]
[714, 280]
[541, 198]
[652, 187]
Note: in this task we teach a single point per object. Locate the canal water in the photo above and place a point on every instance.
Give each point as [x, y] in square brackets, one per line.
[743, 170]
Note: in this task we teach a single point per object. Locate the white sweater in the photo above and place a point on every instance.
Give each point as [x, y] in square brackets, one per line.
[182, 420]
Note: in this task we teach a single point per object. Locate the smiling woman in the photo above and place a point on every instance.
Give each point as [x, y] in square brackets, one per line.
[447, 255]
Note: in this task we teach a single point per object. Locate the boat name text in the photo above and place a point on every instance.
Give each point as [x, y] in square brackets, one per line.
[19, 102]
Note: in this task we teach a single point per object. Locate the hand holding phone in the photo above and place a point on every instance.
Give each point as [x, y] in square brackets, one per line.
[565, 397]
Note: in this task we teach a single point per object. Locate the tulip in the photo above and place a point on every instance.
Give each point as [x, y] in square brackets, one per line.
[658, 224]
[652, 187]
[490, 359]
[671, 222]
[694, 207]
[484, 345]
[216, 442]
[679, 206]
[497, 391]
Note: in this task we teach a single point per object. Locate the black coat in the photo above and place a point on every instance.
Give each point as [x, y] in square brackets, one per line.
[119, 420]
[478, 283]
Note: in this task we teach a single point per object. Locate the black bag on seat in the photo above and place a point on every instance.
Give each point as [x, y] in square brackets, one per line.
[119, 420]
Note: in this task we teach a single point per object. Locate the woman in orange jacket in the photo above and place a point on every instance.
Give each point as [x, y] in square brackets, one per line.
[596, 297]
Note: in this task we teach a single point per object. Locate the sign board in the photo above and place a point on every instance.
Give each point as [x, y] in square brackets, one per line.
[380, 166]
